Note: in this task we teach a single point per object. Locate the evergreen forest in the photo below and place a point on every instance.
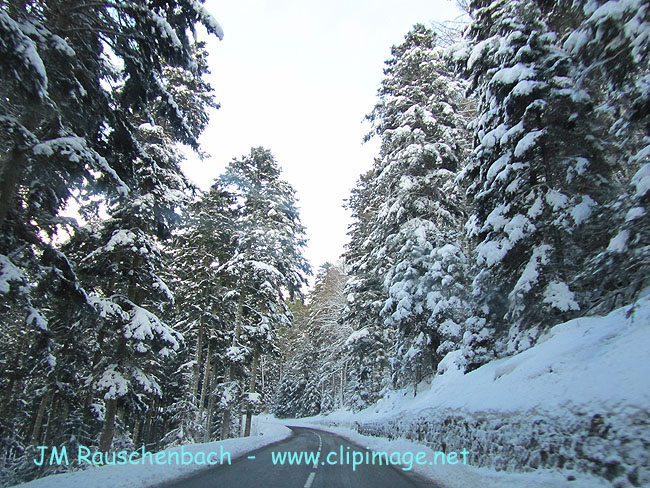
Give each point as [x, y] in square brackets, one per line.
[510, 194]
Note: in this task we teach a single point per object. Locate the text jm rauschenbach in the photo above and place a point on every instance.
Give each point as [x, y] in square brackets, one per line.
[140, 456]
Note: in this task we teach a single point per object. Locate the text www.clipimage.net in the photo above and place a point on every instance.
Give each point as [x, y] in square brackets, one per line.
[347, 457]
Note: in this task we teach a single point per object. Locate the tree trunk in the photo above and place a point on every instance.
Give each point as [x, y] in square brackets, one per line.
[106, 439]
[7, 403]
[206, 382]
[136, 432]
[343, 371]
[251, 389]
[38, 423]
[229, 373]
[55, 406]
[211, 402]
[147, 427]
[262, 373]
[12, 164]
[225, 424]
[197, 362]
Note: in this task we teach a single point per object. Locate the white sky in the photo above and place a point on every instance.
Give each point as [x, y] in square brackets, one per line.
[298, 77]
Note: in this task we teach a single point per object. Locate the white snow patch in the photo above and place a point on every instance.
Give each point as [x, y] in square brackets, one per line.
[556, 199]
[120, 237]
[8, 272]
[536, 208]
[113, 383]
[528, 141]
[558, 295]
[478, 51]
[145, 326]
[641, 180]
[497, 166]
[77, 151]
[529, 276]
[514, 73]
[526, 87]
[266, 268]
[618, 243]
[36, 318]
[582, 211]
[634, 213]
[356, 335]
[208, 20]
[576, 40]
[60, 44]
[492, 252]
[165, 29]
[453, 363]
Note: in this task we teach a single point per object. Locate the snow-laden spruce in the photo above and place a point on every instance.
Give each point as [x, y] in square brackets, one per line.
[537, 178]
[413, 244]
[267, 266]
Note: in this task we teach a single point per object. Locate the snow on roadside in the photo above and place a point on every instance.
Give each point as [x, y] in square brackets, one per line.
[590, 364]
[454, 476]
[127, 476]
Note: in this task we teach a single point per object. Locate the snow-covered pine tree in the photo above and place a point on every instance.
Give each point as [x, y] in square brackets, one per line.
[326, 303]
[313, 364]
[267, 266]
[123, 271]
[135, 340]
[537, 178]
[612, 44]
[369, 343]
[59, 108]
[417, 228]
[203, 244]
[73, 75]
[298, 393]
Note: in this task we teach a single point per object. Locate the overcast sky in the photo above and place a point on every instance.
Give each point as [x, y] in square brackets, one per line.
[298, 77]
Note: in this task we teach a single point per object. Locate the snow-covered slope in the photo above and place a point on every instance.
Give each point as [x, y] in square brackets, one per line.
[595, 363]
[574, 403]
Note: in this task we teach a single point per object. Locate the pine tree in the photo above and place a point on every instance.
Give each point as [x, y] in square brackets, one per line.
[368, 345]
[538, 178]
[72, 121]
[313, 364]
[267, 263]
[612, 46]
[419, 118]
[127, 246]
[66, 127]
[202, 246]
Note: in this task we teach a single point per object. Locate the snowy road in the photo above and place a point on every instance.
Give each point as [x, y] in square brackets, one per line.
[261, 471]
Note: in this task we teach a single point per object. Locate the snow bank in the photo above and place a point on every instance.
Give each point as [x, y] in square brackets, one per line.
[453, 476]
[594, 363]
[575, 404]
[127, 476]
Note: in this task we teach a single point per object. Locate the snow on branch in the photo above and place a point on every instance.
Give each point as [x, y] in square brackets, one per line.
[76, 150]
[9, 272]
[14, 42]
[207, 19]
[143, 325]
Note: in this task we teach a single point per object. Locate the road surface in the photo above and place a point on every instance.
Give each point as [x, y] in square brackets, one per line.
[262, 473]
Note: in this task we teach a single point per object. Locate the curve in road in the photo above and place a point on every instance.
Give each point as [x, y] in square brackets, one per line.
[257, 469]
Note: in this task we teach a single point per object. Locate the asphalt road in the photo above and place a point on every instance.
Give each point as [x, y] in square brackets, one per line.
[262, 473]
